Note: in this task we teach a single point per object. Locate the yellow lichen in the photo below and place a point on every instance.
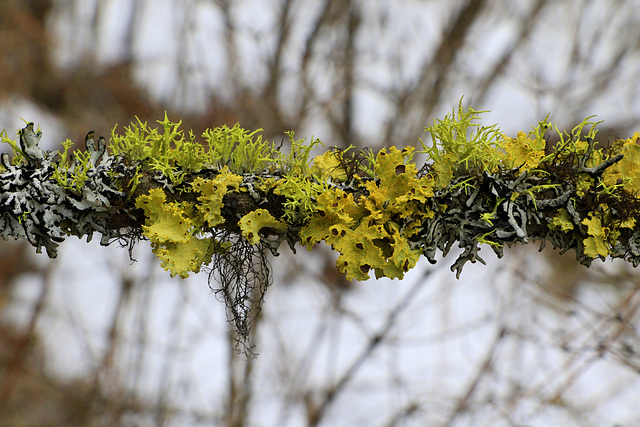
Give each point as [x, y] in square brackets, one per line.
[626, 170]
[183, 258]
[329, 165]
[253, 222]
[371, 208]
[334, 207]
[596, 244]
[398, 183]
[212, 192]
[171, 231]
[562, 220]
[522, 151]
[628, 223]
[165, 221]
[366, 232]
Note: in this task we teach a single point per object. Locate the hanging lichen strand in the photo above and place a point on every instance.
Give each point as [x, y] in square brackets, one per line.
[380, 211]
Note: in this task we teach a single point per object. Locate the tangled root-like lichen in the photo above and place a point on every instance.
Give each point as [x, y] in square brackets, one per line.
[242, 275]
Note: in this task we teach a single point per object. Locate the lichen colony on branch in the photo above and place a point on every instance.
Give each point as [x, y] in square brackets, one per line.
[380, 211]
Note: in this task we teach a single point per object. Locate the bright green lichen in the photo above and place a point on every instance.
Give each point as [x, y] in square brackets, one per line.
[460, 145]
[170, 152]
[457, 141]
[299, 186]
[298, 161]
[240, 150]
[483, 239]
[300, 193]
[60, 170]
[17, 152]
[575, 145]
[72, 177]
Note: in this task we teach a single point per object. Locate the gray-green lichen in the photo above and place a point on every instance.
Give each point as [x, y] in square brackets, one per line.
[34, 207]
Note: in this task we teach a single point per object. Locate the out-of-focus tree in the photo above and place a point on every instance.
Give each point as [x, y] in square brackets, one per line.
[523, 342]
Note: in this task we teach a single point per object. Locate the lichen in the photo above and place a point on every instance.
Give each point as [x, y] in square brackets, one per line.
[196, 198]
[372, 233]
[169, 153]
[44, 199]
[300, 194]
[254, 222]
[626, 170]
[459, 144]
[238, 149]
[596, 244]
[173, 236]
[523, 152]
[212, 192]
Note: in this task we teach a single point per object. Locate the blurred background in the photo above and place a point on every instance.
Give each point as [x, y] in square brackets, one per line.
[94, 339]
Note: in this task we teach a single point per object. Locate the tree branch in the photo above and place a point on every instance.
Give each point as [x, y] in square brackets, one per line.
[193, 200]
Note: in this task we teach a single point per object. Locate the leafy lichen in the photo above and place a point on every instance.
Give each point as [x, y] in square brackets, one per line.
[212, 192]
[372, 233]
[173, 236]
[252, 223]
